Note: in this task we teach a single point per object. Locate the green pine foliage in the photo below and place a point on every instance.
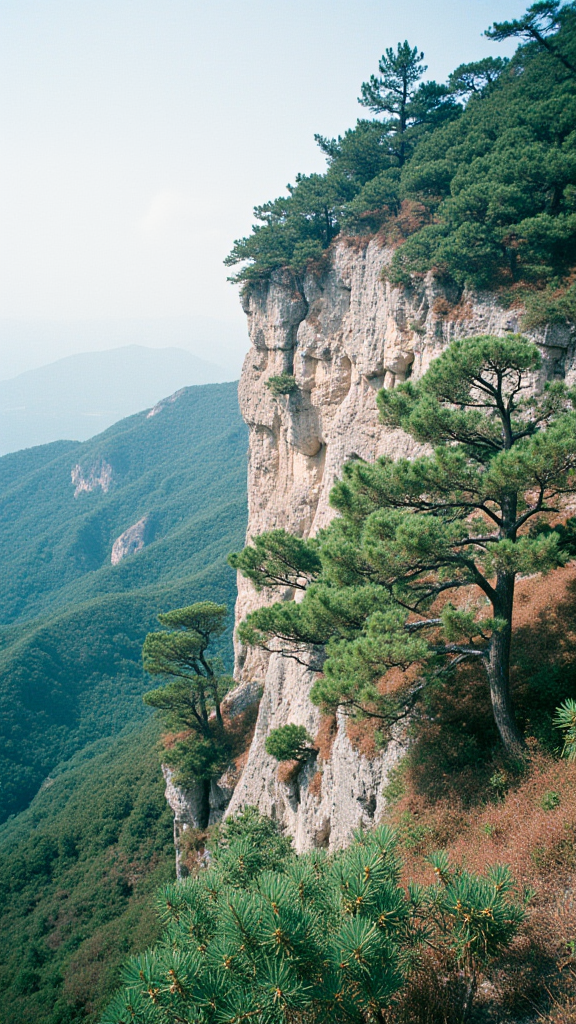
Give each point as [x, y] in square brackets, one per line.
[289, 743]
[283, 384]
[475, 179]
[78, 870]
[409, 531]
[72, 624]
[196, 681]
[263, 934]
[280, 557]
[191, 699]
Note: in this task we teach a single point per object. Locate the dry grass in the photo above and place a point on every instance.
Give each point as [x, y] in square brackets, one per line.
[324, 738]
[441, 307]
[398, 227]
[461, 794]
[288, 771]
[434, 994]
[315, 787]
[363, 735]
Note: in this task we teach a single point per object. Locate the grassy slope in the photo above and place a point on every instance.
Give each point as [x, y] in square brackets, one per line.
[73, 624]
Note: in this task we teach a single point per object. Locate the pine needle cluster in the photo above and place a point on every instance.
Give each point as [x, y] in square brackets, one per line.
[263, 935]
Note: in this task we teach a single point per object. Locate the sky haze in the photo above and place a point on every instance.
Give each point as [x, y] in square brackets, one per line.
[139, 134]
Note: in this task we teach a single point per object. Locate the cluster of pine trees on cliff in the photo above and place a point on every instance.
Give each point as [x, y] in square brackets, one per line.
[474, 179]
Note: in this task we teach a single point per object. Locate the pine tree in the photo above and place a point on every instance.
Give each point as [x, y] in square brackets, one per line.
[191, 700]
[289, 743]
[412, 530]
[478, 77]
[264, 935]
[541, 21]
[397, 93]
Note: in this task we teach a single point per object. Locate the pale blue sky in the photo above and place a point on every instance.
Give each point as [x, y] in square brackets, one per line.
[137, 135]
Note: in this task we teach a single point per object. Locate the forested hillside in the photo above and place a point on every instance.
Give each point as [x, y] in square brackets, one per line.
[78, 870]
[72, 622]
[79, 864]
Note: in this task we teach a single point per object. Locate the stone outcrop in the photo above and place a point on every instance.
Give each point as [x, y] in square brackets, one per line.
[99, 475]
[187, 806]
[165, 402]
[131, 541]
[344, 333]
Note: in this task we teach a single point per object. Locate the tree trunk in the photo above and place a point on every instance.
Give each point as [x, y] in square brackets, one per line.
[498, 668]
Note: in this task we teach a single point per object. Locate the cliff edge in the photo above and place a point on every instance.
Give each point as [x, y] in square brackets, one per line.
[343, 332]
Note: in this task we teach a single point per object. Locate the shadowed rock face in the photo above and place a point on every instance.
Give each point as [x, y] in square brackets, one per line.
[343, 334]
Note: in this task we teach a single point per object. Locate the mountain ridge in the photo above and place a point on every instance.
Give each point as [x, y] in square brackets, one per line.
[81, 395]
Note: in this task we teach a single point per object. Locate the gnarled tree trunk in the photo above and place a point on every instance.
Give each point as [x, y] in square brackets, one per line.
[498, 667]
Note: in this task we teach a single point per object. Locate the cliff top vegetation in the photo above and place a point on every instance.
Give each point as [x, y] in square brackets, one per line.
[474, 179]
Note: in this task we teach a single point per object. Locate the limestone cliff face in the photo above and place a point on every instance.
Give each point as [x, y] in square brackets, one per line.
[98, 475]
[344, 333]
[131, 541]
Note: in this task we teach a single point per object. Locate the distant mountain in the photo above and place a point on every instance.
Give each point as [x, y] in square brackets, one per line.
[79, 396]
[171, 483]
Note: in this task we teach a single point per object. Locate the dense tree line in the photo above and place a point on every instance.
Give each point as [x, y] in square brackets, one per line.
[474, 179]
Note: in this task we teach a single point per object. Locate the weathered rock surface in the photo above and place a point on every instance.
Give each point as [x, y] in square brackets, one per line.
[130, 542]
[188, 808]
[99, 475]
[344, 334]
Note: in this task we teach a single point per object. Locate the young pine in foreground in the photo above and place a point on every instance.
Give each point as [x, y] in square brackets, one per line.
[267, 936]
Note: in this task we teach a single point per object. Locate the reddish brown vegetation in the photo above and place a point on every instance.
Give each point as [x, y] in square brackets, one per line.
[324, 738]
[398, 227]
[363, 736]
[315, 787]
[288, 771]
[457, 791]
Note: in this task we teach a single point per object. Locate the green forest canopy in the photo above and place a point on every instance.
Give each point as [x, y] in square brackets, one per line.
[474, 179]
[78, 869]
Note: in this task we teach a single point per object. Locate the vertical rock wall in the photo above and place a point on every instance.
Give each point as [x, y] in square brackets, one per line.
[344, 333]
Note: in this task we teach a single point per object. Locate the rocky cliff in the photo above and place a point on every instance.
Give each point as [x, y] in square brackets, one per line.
[344, 333]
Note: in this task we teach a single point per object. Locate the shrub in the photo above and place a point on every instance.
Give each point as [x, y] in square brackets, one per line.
[283, 384]
[265, 933]
[565, 720]
[289, 743]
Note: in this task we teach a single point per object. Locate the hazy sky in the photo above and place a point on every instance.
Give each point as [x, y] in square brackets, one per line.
[137, 135]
